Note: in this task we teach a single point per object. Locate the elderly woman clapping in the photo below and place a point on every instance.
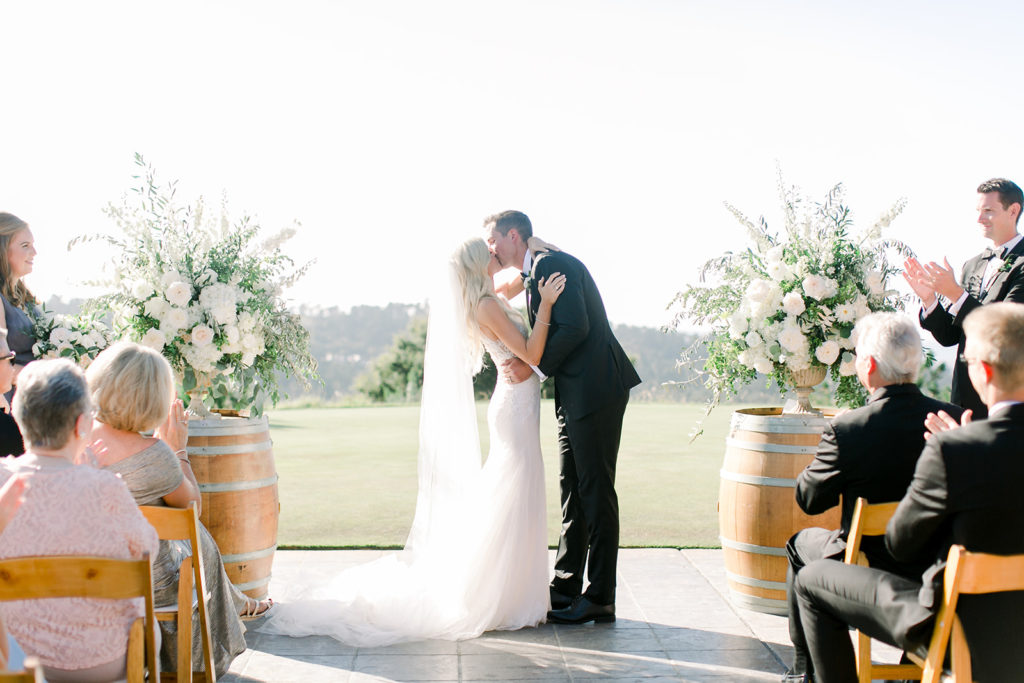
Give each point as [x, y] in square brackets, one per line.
[69, 510]
[132, 388]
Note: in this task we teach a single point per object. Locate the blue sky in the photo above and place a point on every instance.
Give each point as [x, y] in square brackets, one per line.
[390, 129]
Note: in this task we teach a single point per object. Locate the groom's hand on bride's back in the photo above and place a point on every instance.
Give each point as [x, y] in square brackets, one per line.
[515, 371]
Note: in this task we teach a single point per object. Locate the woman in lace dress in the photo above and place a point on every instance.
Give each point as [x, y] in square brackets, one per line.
[69, 510]
[476, 556]
[132, 388]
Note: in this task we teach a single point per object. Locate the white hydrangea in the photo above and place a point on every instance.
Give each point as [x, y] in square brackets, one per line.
[738, 325]
[221, 301]
[798, 361]
[759, 291]
[753, 339]
[59, 335]
[774, 255]
[169, 277]
[875, 283]
[174, 319]
[248, 358]
[819, 288]
[764, 366]
[793, 303]
[828, 352]
[157, 307]
[202, 335]
[178, 293]
[792, 339]
[232, 334]
[154, 339]
[780, 271]
[246, 322]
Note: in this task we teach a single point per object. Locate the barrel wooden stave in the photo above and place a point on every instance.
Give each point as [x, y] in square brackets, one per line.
[234, 464]
[757, 507]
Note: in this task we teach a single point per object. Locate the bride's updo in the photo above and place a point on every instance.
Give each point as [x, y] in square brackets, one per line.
[470, 261]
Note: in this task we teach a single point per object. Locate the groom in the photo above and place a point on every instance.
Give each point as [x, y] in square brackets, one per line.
[593, 377]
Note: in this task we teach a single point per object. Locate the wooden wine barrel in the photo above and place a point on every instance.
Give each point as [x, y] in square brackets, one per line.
[233, 462]
[757, 510]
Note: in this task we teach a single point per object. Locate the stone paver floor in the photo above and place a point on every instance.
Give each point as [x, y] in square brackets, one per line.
[674, 623]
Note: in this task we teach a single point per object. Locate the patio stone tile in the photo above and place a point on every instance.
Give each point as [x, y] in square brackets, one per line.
[616, 665]
[544, 665]
[403, 667]
[263, 666]
[687, 639]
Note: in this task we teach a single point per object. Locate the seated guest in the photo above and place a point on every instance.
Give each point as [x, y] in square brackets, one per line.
[10, 436]
[133, 391]
[869, 452]
[965, 490]
[12, 495]
[69, 510]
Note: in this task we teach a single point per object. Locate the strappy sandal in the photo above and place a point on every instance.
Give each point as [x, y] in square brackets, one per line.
[253, 611]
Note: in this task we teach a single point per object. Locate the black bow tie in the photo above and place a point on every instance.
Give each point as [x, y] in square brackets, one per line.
[990, 253]
[525, 276]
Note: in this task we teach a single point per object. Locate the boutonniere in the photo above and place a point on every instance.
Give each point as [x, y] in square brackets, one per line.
[527, 280]
[1007, 263]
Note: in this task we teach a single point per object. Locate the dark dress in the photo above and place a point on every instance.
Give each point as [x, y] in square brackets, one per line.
[20, 340]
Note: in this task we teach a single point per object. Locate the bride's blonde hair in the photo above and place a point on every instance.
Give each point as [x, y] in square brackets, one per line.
[470, 261]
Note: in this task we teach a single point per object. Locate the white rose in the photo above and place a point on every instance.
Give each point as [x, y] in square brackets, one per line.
[764, 366]
[848, 367]
[793, 303]
[846, 313]
[738, 324]
[170, 277]
[59, 335]
[753, 339]
[774, 254]
[202, 335]
[827, 352]
[175, 319]
[248, 359]
[178, 293]
[154, 339]
[819, 288]
[232, 334]
[157, 307]
[792, 339]
[141, 289]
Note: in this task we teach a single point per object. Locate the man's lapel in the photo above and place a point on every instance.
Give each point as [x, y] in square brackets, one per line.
[1015, 257]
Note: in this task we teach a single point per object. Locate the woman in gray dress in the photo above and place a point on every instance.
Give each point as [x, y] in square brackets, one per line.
[17, 254]
[132, 390]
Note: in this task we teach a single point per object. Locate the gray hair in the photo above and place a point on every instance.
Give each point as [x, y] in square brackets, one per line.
[51, 396]
[893, 341]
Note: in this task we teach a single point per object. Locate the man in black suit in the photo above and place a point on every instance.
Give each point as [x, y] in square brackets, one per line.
[593, 377]
[996, 274]
[966, 490]
[869, 452]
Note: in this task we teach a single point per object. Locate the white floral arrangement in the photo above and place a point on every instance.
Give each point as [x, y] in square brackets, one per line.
[207, 295]
[789, 302]
[79, 338]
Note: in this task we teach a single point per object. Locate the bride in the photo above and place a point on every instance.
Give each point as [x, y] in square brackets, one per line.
[476, 556]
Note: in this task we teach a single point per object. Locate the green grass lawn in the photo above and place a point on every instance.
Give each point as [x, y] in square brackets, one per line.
[348, 475]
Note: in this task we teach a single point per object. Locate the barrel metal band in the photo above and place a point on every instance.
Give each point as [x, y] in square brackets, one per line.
[249, 585]
[756, 583]
[773, 425]
[757, 481]
[751, 548]
[233, 449]
[767, 605]
[771, 447]
[221, 487]
[254, 555]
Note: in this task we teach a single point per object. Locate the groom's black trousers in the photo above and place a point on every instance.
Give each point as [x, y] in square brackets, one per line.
[588, 450]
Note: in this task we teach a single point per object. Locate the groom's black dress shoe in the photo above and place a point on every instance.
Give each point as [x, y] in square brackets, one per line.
[581, 611]
[560, 600]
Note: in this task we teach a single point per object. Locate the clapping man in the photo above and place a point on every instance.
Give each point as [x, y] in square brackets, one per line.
[965, 490]
[869, 452]
[996, 274]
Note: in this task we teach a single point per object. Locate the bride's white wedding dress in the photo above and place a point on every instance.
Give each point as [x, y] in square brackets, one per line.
[476, 557]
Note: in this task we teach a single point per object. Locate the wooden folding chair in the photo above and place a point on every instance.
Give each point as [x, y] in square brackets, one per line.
[970, 573]
[32, 672]
[183, 524]
[36, 578]
[870, 520]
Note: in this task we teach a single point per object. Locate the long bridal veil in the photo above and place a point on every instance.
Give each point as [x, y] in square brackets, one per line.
[424, 590]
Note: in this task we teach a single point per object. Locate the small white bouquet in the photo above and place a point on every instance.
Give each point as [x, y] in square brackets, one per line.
[79, 338]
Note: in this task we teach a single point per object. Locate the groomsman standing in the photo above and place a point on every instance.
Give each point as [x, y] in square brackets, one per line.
[996, 274]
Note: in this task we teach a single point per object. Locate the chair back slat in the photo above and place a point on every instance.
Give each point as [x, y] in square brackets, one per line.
[986, 573]
[29, 578]
[170, 523]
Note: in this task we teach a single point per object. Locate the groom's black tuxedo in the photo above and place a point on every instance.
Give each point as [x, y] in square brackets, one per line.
[1007, 285]
[966, 490]
[592, 377]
